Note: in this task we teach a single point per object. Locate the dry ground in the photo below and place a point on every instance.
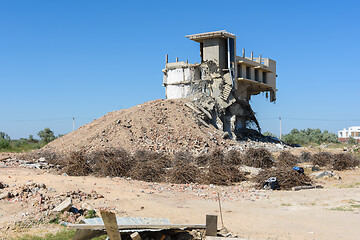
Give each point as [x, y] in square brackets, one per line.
[329, 213]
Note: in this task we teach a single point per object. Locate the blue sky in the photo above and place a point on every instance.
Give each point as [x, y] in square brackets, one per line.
[82, 59]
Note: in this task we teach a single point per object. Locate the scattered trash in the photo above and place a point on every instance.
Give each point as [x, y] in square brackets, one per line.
[299, 169]
[272, 184]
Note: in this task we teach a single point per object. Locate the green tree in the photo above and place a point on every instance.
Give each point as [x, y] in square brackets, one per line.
[31, 139]
[4, 141]
[309, 135]
[4, 136]
[46, 135]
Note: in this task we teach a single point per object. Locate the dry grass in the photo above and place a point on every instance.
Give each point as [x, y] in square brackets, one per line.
[344, 161]
[112, 162]
[322, 159]
[221, 174]
[184, 173]
[259, 158]
[286, 177]
[286, 160]
[77, 164]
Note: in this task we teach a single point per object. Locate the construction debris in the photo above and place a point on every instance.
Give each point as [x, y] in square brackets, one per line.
[3, 185]
[306, 187]
[64, 206]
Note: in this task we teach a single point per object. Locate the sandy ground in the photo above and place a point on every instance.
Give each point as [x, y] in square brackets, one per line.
[306, 214]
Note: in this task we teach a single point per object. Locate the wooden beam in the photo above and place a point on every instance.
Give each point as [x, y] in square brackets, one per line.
[211, 225]
[145, 226]
[110, 223]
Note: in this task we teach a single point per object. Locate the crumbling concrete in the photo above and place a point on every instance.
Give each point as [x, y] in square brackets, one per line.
[221, 86]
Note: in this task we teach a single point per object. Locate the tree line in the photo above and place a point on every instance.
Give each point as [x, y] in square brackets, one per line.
[17, 145]
[307, 136]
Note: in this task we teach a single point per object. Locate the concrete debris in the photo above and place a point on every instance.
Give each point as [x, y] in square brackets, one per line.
[163, 126]
[64, 206]
[297, 188]
[324, 174]
[3, 185]
[47, 205]
[5, 195]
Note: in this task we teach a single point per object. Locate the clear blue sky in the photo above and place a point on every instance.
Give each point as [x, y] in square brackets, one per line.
[82, 59]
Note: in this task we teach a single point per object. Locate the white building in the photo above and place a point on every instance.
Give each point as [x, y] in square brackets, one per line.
[345, 134]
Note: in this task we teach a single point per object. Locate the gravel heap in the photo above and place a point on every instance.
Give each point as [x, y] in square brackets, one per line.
[166, 126]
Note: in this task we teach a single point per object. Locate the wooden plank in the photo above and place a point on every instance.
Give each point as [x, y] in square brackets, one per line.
[211, 225]
[146, 226]
[110, 223]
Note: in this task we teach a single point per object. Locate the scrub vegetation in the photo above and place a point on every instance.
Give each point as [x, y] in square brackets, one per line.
[26, 144]
[309, 136]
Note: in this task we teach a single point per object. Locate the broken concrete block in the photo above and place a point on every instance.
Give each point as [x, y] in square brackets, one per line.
[86, 206]
[135, 236]
[323, 174]
[5, 195]
[64, 206]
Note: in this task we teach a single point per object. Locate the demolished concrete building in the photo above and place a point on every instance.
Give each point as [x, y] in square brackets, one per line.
[221, 85]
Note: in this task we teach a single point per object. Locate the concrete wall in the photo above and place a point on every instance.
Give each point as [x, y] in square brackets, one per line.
[215, 49]
[177, 80]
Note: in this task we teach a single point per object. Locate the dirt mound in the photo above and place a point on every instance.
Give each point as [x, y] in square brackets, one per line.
[165, 126]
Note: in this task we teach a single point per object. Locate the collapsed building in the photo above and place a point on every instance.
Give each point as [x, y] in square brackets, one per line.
[221, 85]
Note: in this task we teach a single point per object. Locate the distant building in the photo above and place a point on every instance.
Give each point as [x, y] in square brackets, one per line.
[345, 134]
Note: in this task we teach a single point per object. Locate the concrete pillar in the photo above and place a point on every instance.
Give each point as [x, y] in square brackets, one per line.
[240, 123]
[243, 70]
[252, 70]
[260, 72]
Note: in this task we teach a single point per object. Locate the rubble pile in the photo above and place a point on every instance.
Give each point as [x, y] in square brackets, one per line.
[45, 205]
[163, 126]
[3, 185]
[207, 191]
[31, 163]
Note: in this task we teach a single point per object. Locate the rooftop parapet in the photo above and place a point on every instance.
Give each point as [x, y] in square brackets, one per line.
[201, 36]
